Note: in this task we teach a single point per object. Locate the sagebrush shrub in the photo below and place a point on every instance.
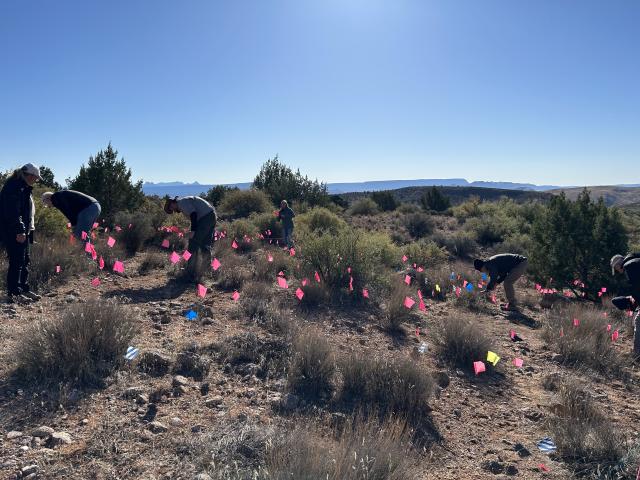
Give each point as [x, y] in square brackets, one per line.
[268, 225]
[137, 231]
[321, 219]
[85, 344]
[364, 206]
[242, 203]
[419, 224]
[267, 270]
[256, 301]
[233, 273]
[152, 261]
[425, 253]
[243, 232]
[312, 368]
[395, 314]
[46, 255]
[385, 200]
[460, 244]
[462, 342]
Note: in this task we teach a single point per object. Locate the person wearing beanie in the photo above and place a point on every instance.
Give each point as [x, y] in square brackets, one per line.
[630, 266]
[203, 224]
[507, 268]
[16, 213]
[81, 210]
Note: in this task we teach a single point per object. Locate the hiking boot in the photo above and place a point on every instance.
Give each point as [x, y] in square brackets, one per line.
[17, 298]
[509, 308]
[31, 295]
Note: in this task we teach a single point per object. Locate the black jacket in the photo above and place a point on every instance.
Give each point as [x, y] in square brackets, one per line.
[15, 208]
[631, 265]
[71, 203]
[499, 267]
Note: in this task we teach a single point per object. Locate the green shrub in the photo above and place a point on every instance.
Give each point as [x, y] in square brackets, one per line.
[462, 342]
[433, 199]
[233, 273]
[385, 200]
[364, 206]
[312, 368]
[242, 203]
[419, 224]
[425, 253]
[320, 220]
[46, 255]
[268, 222]
[152, 261]
[460, 244]
[136, 232]
[243, 232]
[408, 208]
[487, 229]
[256, 301]
[83, 345]
[315, 294]
[216, 194]
[266, 270]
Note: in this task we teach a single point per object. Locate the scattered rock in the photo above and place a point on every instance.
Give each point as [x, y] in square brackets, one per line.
[197, 428]
[204, 389]
[180, 381]
[165, 319]
[521, 450]
[511, 470]
[207, 321]
[157, 427]
[214, 402]
[12, 435]
[59, 438]
[442, 379]
[154, 363]
[29, 470]
[142, 399]
[176, 421]
[132, 392]
[202, 476]
[192, 364]
[42, 432]
[493, 467]
[146, 436]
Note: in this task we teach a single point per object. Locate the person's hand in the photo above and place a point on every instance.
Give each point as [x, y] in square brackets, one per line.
[21, 238]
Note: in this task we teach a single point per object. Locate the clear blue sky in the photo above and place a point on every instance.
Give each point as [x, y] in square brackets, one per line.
[544, 91]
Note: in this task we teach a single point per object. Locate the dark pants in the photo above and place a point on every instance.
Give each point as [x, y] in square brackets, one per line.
[19, 260]
[200, 244]
[288, 231]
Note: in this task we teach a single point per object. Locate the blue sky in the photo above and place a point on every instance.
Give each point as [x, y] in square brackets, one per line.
[544, 91]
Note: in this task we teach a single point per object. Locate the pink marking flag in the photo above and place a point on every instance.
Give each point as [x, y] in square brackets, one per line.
[404, 258]
[215, 264]
[281, 273]
[174, 258]
[561, 332]
[351, 284]
[458, 291]
[101, 263]
[615, 335]
[282, 282]
[609, 328]
[407, 279]
[417, 331]
[292, 252]
[88, 247]
[234, 244]
[202, 290]
[576, 322]
[299, 293]
[365, 293]
[305, 281]
[422, 306]
[349, 270]
[69, 226]
[269, 257]
[83, 235]
[235, 296]
[512, 334]
[118, 228]
[111, 242]
[95, 225]
[186, 255]
[58, 269]
[95, 282]
[479, 367]
[518, 362]
[543, 467]
[420, 269]
[493, 299]
[118, 266]
[165, 243]
[409, 302]
[317, 277]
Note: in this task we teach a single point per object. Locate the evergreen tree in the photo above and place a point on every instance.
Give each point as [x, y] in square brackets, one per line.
[385, 200]
[108, 180]
[434, 200]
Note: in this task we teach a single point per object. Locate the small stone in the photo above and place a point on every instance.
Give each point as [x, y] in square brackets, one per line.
[157, 427]
[23, 448]
[197, 428]
[442, 379]
[85, 421]
[132, 392]
[204, 389]
[176, 421]
[203, 476]
[12, 435]
[493, 467]
[142, 399]
[207, 321]
[180, 381]
[511, 470]
[165, 319]
[154, 363]
[214, 402]
[29, 470]
[59, 438]
[43, 432]
[146, 436]
[521, 450]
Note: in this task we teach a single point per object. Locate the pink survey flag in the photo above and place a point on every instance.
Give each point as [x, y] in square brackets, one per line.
[118, 266]
[269, 257]
[305, 281]
[420, 269]
[235, 296]
[518, 362]
[407, 279]
[512, 334]
[365, 293]
[101, 263]
[58, 269]
[111, 242]
[349, 270]
[95, 282]
[458, 291]
[118, 228]
[215, 264]
[202, 290]
[186, 255]
[165, 243]
[351, 284]
[419, 294]
[282, 282]
[422, 306]
[281, 273]
[417, 331]
[576, 322]
[409, 302]
[234, 244]
[615, 335]
[609, 328]
[174, 258]
[83, 235]
[479, 367]
[292, 252]
[88, 247]
[317, 277]
[404, 258]
[69, 225]
[299, 293]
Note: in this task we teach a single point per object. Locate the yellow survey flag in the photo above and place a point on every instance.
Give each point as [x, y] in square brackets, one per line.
[492, 358]
[437, 288]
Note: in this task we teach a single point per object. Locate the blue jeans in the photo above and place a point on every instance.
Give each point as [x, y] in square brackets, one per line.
[86, 219]
[287, 236]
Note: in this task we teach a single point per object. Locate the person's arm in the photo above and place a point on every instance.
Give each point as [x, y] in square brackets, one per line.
[194, 221]
[12, 213]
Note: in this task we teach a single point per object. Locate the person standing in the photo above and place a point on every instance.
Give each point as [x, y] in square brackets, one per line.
[203, 223]
[81, 210]
[630, 266]
[285, 215]
[17, 220]
[507, 268]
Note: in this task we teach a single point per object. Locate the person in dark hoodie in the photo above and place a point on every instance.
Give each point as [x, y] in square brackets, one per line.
[203, 223]
[16, 213]
[630, 266]
[81, 210]
[507, 268]
[285, 215]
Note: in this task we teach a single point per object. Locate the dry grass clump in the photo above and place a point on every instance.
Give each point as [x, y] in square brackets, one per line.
[152, 261]
[584, 435]
[462, 342]
[587, 345]
[419, 224]
[256, 301]
[385, 386]
[233, 273]
[267, 358]
[312, 368]
[83, 345]
[46, 256]
[395, 314]
[315, 294]
[267, 270]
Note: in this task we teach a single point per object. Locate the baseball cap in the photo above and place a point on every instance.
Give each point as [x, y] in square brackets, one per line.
[31, 169]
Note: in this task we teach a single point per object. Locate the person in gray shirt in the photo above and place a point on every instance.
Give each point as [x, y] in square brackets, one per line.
[507, 268]
[203, 223]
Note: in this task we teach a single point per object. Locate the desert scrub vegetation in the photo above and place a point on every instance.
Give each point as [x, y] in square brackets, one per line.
[363, 206]
[394, 313]
[589, 344]
[267, 225]
[152, 261]
[461, 342]
[250, 354]
[242, 203]
[460, 244]
[243, 232]
[269, 262]
[82, 346]
[385, 201]
[312, 368]
[585, 437]
[419, 224]
[49, 254]
[256, 301]
[137, 231]
[320, 220]
[233, 273]
[425, 253]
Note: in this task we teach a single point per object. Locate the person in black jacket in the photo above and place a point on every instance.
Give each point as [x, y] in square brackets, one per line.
[630, 266]
[507, 268]
[285, 215]
[16, 211]
[81, 210]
